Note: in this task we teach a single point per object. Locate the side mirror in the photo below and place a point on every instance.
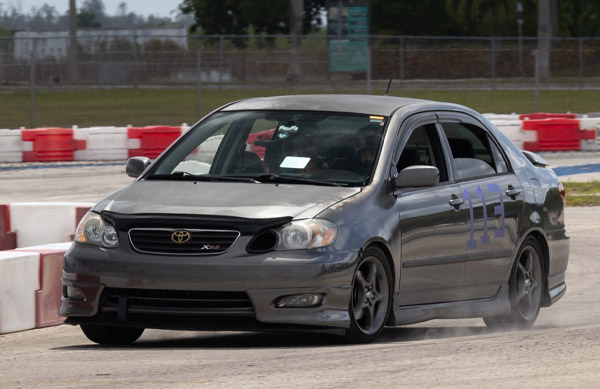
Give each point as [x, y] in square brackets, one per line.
[418, 175]
[535, 159]
[136, 166]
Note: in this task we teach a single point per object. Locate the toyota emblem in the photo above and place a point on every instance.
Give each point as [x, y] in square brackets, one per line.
[180, 236]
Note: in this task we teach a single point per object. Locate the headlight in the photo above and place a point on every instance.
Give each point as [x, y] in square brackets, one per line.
[93, 230]
[306, 234]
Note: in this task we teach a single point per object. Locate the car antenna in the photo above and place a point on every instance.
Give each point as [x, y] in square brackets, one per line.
[388, 87]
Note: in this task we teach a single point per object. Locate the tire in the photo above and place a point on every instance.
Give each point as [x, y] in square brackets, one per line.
[111, 335]
[526, 285]
[371, 298]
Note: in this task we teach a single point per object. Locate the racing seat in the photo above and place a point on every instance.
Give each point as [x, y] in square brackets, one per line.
[252, 163]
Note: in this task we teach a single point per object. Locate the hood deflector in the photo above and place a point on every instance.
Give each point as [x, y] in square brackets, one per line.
[124, 222]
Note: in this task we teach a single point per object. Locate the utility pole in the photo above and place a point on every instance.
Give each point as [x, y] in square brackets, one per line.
[544, 37]
[295, 20]
[73, 42]
[520, 31]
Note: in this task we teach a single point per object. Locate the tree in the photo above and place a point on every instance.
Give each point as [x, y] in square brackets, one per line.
[236, 17]
[122, 9]
[96, 8]
[423, 17]
[86, 19]
[489, 17]
[44, 17]
[91, 13]
[451, 17]
[579, 18]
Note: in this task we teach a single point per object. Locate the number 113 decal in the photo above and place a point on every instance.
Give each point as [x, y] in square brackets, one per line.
[498, 211]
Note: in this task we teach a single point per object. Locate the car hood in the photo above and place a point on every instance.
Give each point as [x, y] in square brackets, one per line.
[246, 200]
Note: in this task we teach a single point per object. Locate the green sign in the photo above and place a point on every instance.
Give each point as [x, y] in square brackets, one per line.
[348, 26]
[348, 55]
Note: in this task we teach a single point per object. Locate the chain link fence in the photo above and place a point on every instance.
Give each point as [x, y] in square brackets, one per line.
[136, 79]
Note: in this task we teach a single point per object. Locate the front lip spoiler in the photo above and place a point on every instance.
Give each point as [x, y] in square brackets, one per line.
[189, 324]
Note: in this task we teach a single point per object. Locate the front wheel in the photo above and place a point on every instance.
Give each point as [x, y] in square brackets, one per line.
[525, 289]
[371, 299]
[111, 335]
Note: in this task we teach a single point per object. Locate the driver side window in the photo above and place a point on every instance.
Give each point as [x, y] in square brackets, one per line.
[423, 148]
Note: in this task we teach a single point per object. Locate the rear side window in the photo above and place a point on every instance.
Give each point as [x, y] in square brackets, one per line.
[474, 154]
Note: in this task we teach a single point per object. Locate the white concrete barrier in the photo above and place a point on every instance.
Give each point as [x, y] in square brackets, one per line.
[501, 116]
[11, 146]
[513, 129]
[50, 246]
[207, 150]
[103, 143]
[19, 281]
[41, 223]
[48, 296]
[590, 124]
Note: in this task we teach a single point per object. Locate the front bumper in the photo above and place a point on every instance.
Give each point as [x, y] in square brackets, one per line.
[264, 278]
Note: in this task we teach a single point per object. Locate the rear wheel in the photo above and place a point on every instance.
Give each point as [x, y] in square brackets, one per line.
[111, 335]
[525, 289]
[371, 297]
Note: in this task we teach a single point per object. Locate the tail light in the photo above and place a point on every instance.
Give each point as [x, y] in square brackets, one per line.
[563, 193]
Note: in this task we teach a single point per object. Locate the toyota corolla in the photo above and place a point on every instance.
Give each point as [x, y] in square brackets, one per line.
[322, 212]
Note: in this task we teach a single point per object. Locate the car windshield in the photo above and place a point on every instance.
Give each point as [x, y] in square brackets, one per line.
[276, 146]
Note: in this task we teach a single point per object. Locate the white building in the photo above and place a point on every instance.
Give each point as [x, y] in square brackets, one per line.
[56, 43]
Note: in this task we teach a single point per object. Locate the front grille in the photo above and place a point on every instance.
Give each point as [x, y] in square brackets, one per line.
[201, 242]
[176, 302]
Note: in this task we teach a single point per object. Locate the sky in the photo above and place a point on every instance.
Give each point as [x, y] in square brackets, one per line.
[141, 7]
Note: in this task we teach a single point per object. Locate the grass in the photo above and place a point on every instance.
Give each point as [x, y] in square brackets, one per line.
[151, 106]
[583, 193]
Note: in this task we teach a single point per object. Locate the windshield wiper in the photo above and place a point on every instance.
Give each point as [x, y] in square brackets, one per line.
[185, 176]
[274, 178]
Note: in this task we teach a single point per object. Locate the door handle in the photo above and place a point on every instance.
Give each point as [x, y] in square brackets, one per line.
[456, 201]
[513, 192]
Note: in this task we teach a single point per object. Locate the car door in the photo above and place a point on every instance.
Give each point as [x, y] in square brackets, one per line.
[432, 221]
[493, 199]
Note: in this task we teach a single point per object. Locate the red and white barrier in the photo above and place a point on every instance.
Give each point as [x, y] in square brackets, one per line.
[48, 295]
[151, 141]
[50, 144]
[513, 129]
[535, 132]
[549, 132]
[86, 144]
[546, 115]
[42, 223]
[592, 127]
[19, 281]
[30, 287]
[30, 277]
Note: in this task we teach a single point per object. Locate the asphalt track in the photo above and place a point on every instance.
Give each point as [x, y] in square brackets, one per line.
[561, 350]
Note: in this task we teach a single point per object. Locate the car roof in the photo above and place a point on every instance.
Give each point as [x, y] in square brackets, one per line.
[363, 104]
